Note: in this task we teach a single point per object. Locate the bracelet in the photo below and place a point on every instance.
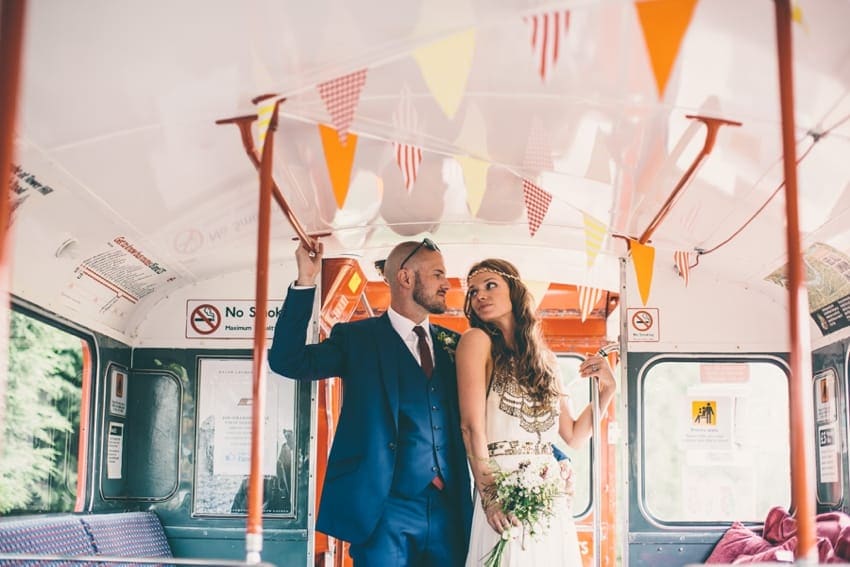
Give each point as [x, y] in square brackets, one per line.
[489, 495]
[479, 459]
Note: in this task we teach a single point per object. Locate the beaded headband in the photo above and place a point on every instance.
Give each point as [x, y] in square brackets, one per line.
[505, 275]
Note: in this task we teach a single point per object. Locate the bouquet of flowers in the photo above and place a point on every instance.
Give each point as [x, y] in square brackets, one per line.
[528, 493]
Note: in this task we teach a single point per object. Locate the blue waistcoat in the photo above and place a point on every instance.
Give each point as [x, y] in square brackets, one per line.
[423, 446]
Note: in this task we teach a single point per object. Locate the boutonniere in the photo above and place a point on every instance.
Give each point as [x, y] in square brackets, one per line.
[448, 340]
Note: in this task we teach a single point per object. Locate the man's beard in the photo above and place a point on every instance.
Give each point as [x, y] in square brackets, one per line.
[432, 304]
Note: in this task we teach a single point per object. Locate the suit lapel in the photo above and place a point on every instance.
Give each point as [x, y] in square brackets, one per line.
[442, 359]
[389, 346]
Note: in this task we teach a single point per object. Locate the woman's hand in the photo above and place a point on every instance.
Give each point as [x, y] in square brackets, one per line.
[598, 366]
[499, 520]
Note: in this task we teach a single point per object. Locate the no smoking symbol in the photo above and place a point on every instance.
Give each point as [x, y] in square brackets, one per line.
[642, 320]
[205, 319]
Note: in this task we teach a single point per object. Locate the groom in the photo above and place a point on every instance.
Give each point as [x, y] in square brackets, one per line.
[397, 486]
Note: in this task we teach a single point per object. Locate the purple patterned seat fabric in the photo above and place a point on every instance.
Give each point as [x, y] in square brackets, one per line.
[128, 534]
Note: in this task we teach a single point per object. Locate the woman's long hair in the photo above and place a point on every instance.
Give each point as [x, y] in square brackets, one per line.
[532, 357]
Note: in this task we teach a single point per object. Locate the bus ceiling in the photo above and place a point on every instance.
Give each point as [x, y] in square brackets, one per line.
[557, 137]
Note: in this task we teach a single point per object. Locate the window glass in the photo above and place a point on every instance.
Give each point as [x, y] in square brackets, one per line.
[715, 438]
[578, 390]
[38, 467]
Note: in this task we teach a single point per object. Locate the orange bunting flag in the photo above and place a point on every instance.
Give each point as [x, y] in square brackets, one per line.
[664, 24]
[547, 31]
[594, 235]
[341, 96]
[683, 264]
[588, 297]
[643, 257]
[339, 157]
[537, 203]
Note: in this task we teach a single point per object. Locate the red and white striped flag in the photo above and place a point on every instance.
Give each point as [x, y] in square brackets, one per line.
[588, 297]
[341, 96]
[408, 159]
[683, 264]
[547, 31]
[407, 156]
[537, 203]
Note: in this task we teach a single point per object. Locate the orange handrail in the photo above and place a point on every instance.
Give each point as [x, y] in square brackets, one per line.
[11, 41]
[802, 433]
[244, 125]
[712, 125]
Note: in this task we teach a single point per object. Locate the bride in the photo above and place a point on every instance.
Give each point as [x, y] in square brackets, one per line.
[512, 411]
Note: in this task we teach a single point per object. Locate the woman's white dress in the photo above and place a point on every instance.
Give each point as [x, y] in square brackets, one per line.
[518, 430]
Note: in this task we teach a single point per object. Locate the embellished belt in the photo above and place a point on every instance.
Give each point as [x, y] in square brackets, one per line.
[498, 448]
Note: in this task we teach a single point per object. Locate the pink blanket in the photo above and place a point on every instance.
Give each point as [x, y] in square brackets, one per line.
[778, 541]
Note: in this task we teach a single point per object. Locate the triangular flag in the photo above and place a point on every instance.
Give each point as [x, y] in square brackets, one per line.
[547, 31]
[537, 203]
[445, 67]
[341, 96]
[797, 15]
[407, 156]
[594, 235]
[683, 264]
[588, 297]
[538, 290]
[408, 159]
[339, 157]
[538, 149]
[643, 257]
[664, 24]
[475, 179]
[598, 169]
[265, 109]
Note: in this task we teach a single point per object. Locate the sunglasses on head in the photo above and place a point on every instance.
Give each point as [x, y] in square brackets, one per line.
[427, 243]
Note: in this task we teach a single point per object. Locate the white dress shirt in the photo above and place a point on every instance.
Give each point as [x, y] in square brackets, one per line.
[404, 327]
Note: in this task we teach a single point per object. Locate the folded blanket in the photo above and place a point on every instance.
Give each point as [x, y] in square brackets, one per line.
[778, 541]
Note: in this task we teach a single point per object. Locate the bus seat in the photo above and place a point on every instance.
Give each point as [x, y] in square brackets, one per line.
[127, 534]
[48, 535]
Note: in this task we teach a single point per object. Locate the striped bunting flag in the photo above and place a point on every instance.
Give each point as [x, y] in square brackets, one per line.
[594, 235]
[407, 156]
[537, 203]
[547, 31]
[683, 264]
[588, 297]
[408, 159]
[341, 96]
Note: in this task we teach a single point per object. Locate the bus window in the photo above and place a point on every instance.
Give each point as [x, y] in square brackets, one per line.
[714, 439]
[578, 390]
[38, 468]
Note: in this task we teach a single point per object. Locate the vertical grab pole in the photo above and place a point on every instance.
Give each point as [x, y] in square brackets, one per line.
[802, 434]
[11, 46]
[596, 464]
[596, 475]
[254, 529]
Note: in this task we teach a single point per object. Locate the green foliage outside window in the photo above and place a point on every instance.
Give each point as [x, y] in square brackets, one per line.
[38, 468]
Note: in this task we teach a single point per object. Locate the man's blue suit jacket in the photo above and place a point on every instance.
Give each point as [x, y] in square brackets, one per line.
[366, 354]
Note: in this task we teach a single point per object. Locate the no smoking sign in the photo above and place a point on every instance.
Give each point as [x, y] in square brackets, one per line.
[643, 324]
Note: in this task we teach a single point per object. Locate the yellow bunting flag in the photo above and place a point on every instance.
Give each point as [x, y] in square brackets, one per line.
[664, 24]
[538, 290]
[797, 15]
[475, 179]
[445, 66]
[643, 257]
[339, 158]
[594, 236]
[265, 109]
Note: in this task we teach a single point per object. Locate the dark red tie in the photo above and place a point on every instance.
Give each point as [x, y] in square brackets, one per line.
[424, 352]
